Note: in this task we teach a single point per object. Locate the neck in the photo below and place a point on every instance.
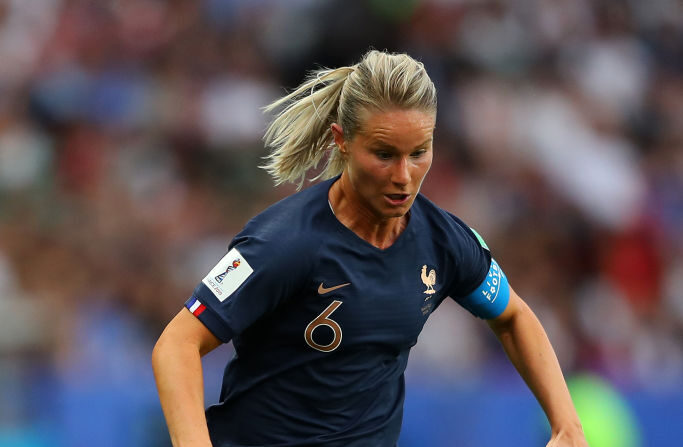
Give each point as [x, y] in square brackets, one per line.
[350, 210]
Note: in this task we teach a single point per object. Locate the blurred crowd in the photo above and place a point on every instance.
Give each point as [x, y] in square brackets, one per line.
[130, 139]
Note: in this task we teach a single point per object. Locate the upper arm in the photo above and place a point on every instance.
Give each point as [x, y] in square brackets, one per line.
[479, 284]
[186, 328]
[514, 308]
[491, 297]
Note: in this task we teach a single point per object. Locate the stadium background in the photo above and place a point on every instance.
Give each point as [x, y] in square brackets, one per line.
[130, 132]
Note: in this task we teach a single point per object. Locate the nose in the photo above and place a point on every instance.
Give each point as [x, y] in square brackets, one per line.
[400, 174]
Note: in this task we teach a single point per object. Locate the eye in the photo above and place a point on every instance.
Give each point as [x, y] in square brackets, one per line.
[383, 155]
[418, 153]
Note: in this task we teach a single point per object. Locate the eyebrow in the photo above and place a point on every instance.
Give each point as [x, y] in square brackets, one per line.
[382, 145]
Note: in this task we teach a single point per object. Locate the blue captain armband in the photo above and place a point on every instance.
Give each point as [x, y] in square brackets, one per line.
[490, 299]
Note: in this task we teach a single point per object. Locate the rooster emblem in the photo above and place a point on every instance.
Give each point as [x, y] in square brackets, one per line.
[429, 280]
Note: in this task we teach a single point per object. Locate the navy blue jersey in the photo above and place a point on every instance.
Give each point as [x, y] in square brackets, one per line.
[322, 321]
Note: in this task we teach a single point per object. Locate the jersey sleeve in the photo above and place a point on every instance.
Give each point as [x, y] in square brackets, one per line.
[479, 284]
[250, 281]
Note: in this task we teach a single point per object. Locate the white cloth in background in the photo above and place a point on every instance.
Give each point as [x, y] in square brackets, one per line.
[599, 173]
[25, 156]
[25, 27]
[231, 110]
[613, 72]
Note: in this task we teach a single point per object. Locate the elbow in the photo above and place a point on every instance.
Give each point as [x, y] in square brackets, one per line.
[173, 345]
[163, 349]
[158, 353]
[502, 329]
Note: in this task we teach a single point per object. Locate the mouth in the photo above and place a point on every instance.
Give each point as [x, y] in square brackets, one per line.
[397, 199]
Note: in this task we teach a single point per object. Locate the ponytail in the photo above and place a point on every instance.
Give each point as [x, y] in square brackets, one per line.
[300, 134]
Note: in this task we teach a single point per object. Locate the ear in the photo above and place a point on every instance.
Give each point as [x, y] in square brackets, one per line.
[338, 134]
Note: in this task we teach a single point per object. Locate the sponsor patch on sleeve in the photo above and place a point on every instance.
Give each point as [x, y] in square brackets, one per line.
[228, 275]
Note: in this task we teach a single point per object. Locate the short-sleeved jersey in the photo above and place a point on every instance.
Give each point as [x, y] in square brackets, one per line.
[322, 321]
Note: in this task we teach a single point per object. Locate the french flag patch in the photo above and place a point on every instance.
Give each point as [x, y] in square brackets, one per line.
[196, 307]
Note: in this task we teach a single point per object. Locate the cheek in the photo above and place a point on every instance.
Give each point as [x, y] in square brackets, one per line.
[429, 161]
[367, 170]
[423, 167]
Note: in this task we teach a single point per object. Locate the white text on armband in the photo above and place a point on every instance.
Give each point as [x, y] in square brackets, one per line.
[491, 297]
[491, 286]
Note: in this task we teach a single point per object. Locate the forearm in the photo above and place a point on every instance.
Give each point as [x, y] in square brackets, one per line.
[526, 344]
[178, 373]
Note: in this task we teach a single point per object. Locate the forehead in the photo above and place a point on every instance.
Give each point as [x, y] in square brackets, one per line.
[397, 127]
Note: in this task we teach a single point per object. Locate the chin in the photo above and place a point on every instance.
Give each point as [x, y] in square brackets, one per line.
[396, 213]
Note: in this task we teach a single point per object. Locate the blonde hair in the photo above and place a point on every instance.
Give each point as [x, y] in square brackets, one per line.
[300, 134]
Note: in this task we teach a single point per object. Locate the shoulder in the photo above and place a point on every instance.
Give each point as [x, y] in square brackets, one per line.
[441, 225]
[468, 256]
[295, 222]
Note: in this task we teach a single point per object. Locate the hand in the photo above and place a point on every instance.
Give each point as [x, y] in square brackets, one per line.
[565, 439]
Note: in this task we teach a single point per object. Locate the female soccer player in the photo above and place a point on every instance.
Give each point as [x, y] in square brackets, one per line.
[324, 293]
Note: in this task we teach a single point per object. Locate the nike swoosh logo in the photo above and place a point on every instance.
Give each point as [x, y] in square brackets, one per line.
[322, 290]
